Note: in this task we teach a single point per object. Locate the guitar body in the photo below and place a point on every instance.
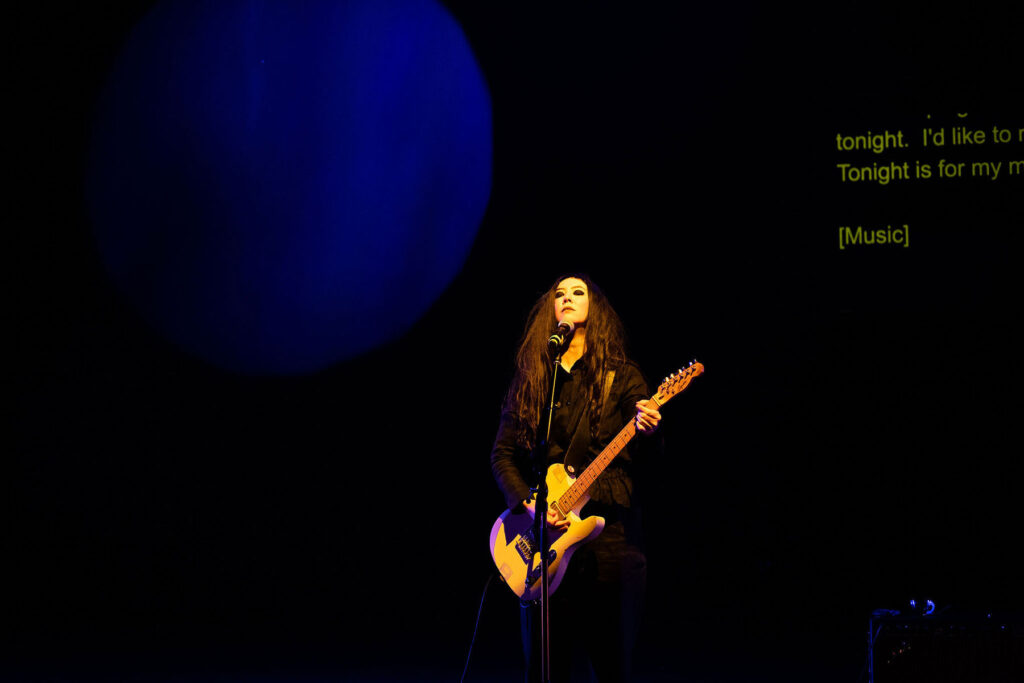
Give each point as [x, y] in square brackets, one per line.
[515, 553]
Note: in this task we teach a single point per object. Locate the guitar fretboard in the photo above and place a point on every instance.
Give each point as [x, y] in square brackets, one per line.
[583, 483]
[669, 388]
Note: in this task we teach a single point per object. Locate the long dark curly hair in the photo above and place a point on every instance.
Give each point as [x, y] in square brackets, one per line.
[605, 350]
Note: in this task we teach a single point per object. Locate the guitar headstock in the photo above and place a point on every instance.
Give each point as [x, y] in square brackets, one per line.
[678, 381]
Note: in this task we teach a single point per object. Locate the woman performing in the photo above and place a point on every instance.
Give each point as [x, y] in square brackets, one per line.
[594, 613]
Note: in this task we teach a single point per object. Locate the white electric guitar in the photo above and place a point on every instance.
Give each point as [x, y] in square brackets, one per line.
[513, 547]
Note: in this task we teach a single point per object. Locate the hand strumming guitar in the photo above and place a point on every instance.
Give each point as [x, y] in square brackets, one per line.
[553, 521]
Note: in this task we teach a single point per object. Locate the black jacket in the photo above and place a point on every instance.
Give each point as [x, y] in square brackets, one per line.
[511, 464]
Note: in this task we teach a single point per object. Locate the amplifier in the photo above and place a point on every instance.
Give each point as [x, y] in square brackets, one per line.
[947, 646]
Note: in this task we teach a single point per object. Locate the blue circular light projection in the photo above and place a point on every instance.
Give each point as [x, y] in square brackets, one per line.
[279, 186]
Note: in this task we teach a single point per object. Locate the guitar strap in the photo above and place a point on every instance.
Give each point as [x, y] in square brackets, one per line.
[581, 437]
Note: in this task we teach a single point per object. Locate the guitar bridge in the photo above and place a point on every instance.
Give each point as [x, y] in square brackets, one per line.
[525, 547]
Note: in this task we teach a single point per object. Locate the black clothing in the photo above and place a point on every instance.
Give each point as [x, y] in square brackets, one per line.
[595, 613]
[511, 465]
[602, 591]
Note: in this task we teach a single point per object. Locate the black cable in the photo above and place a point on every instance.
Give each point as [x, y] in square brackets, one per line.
[476, 627]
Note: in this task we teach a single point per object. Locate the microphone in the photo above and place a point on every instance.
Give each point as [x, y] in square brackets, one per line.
[562, 332]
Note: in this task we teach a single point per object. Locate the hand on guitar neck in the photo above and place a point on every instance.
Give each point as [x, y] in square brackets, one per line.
[555, 521]
[647, 417]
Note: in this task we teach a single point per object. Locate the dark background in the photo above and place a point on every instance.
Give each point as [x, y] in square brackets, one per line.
[852, 444]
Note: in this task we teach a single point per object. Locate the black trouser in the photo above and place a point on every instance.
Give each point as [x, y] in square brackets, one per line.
[595, 613]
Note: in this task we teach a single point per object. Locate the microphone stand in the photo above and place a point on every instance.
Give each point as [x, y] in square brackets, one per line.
[540, 511]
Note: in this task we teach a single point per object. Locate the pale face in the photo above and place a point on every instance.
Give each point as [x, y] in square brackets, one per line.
[572, 301]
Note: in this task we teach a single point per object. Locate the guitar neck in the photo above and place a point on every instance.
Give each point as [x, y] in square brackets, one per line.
[572, 496]
[669, 387]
